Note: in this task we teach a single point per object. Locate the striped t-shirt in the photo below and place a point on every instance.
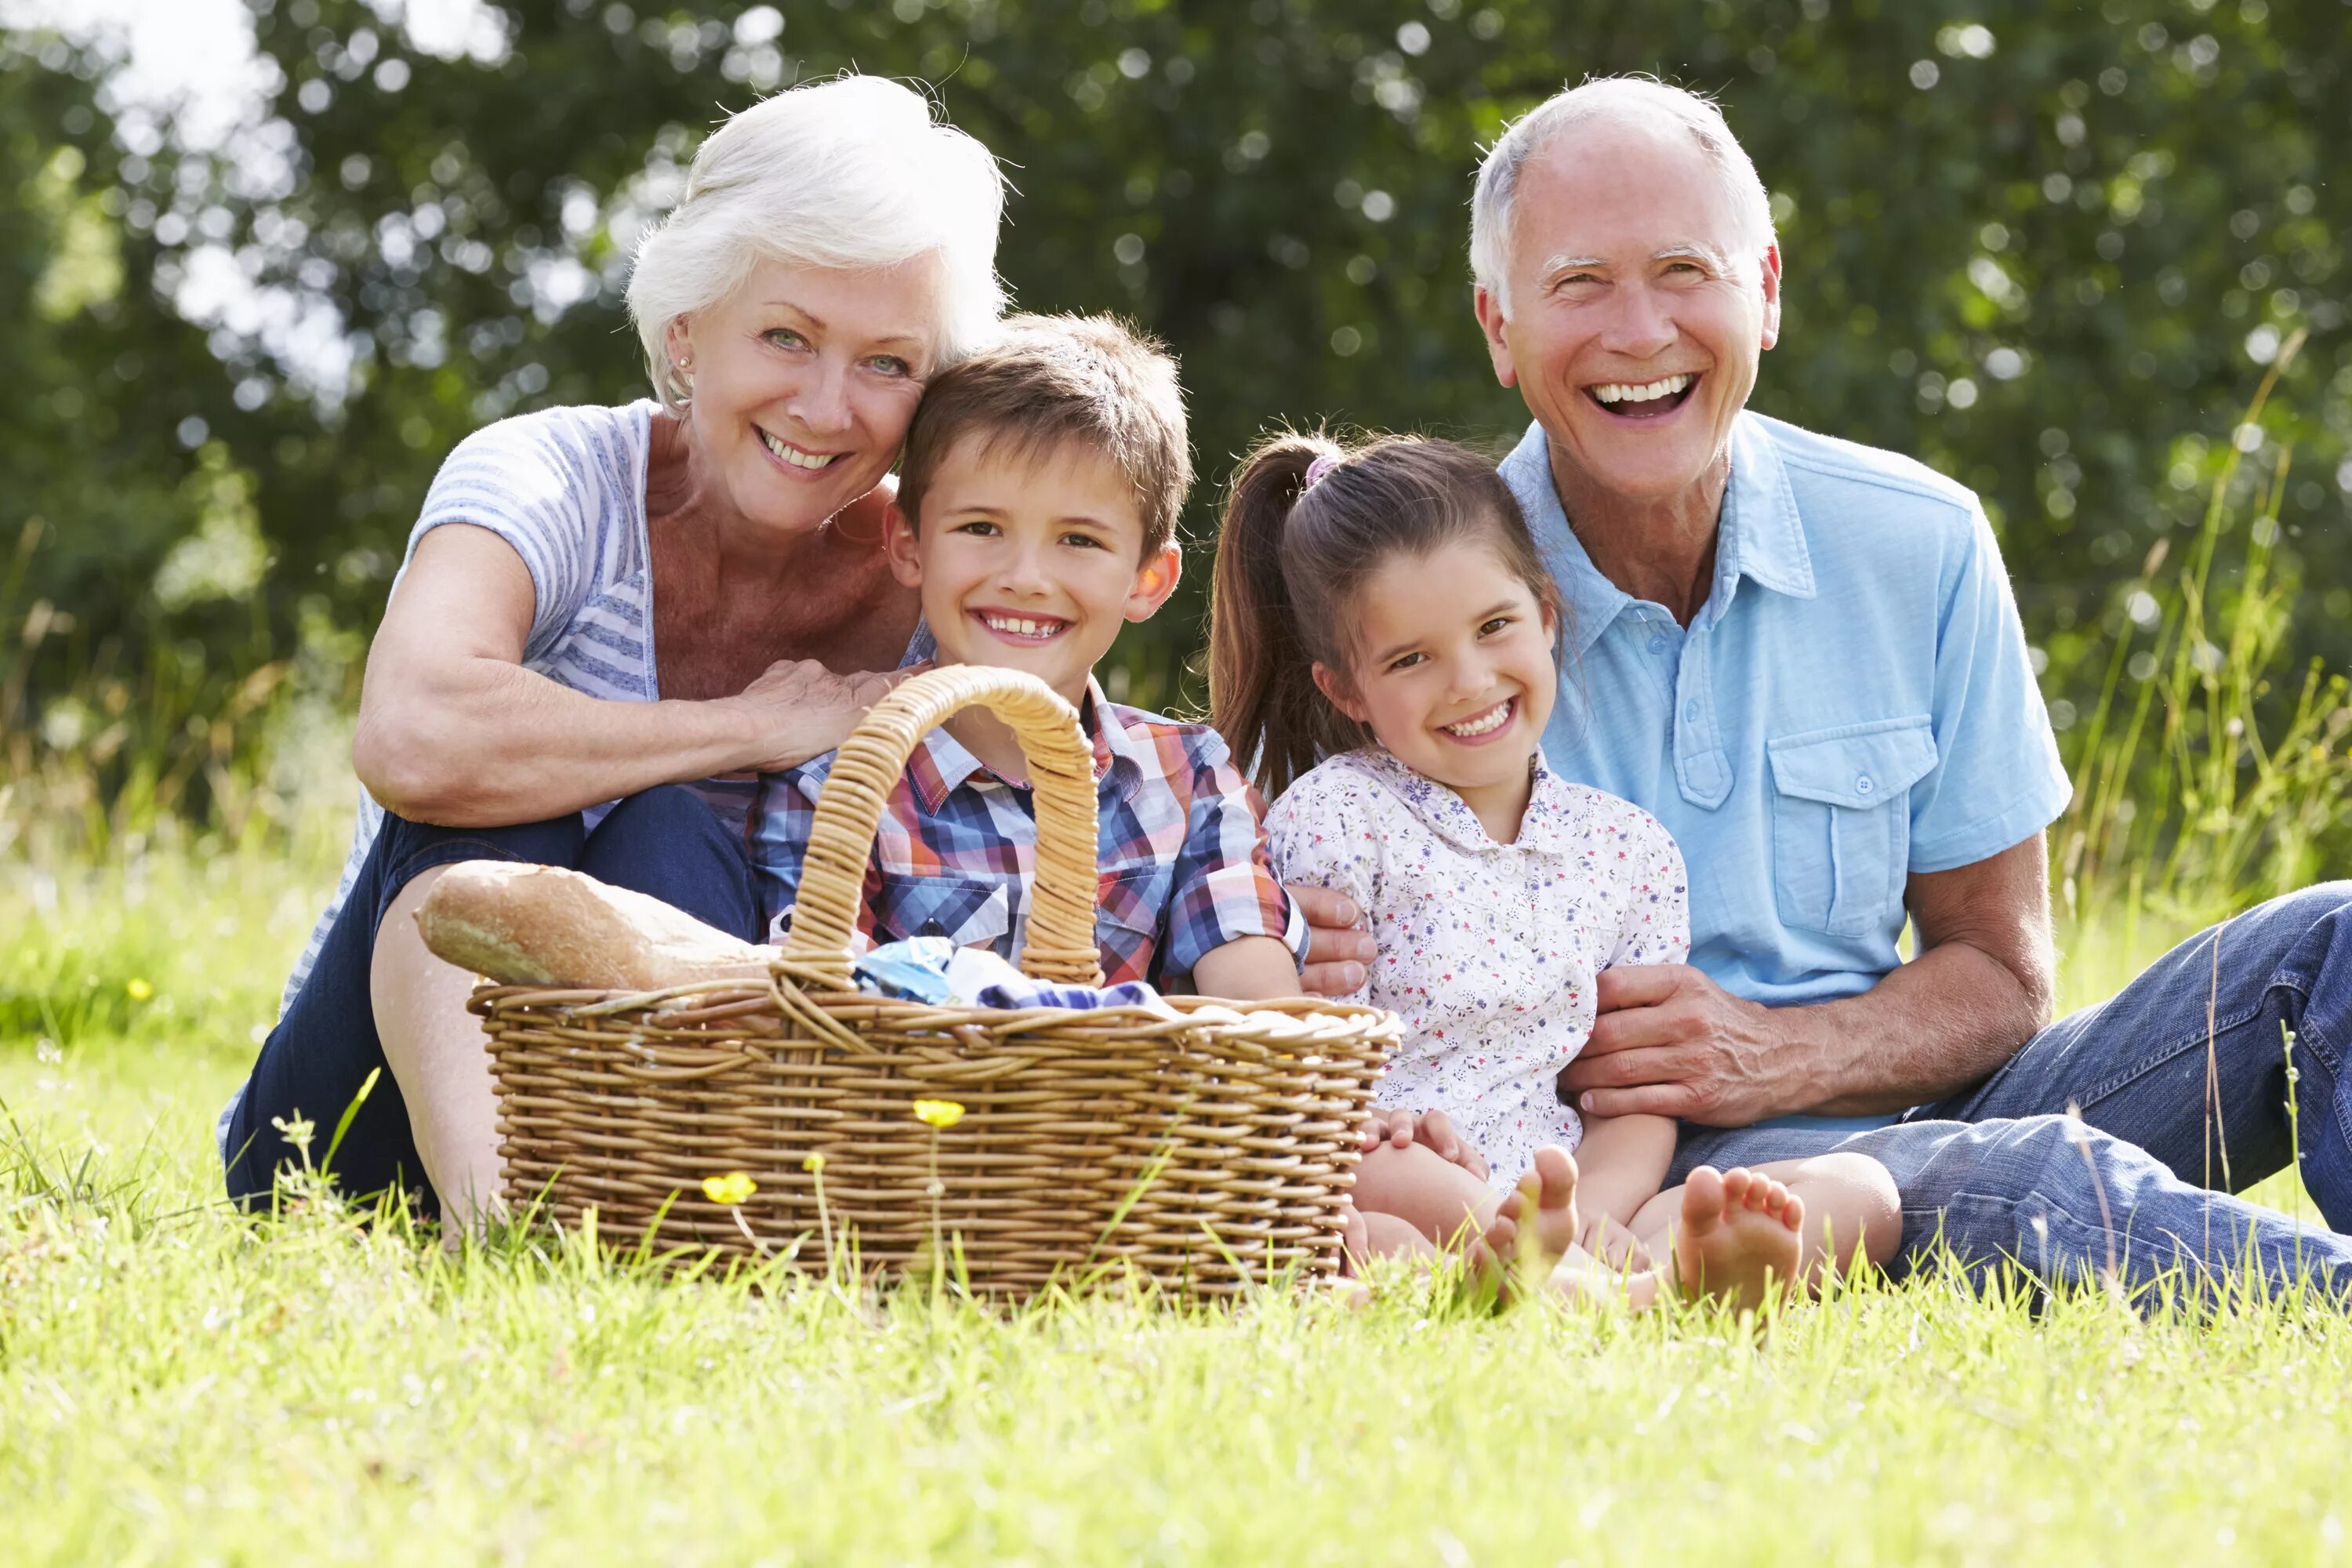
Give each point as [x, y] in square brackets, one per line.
[566, 488]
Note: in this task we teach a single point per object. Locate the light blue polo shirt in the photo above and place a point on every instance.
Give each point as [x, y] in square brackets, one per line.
[1853, 703]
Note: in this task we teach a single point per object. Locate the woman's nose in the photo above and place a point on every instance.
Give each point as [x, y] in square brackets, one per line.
[822, 402]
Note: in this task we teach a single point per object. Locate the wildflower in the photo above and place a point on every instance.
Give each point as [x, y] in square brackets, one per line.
[941, 1114]
[814, 1164]
[139, 989]
[730, 1189]
[296, 1129]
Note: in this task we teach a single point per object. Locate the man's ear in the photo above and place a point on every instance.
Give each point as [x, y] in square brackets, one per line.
[1338, 693]
[899, 546]
[1770, 265]
[1491, 323]
[1154, 581]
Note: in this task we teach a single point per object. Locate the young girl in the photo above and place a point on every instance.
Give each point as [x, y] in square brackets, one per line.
[1384, 608]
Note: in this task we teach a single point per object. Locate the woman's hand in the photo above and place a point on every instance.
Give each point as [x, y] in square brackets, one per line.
[1338, 952]
[801, 709]
[1435, 1131]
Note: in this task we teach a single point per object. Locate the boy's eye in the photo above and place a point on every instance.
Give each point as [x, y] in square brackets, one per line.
[1085, 541]
[979, 527]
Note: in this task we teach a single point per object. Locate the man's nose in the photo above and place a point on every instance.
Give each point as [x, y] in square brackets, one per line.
[1641, 323]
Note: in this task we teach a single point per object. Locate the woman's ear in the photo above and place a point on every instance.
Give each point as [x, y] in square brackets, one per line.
[899, 546]
[1336, 691]
[1154, 581]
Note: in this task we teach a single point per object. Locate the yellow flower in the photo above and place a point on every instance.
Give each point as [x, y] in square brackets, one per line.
[814, 1164]
[139, 990]
[730, 1189]
[939, 1113]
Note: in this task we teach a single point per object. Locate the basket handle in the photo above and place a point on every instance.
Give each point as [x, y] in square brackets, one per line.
[1060, 943]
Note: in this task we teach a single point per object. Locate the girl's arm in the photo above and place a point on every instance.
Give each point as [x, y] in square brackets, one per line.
[1248, 969]
[1621, 1166]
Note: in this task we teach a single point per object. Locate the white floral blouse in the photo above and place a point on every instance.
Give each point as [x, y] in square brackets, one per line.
[1487, 951]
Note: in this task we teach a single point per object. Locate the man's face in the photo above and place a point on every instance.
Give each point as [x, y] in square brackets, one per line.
[1638, 311]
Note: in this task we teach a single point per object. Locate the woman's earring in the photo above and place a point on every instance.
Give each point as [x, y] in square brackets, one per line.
[686, 381]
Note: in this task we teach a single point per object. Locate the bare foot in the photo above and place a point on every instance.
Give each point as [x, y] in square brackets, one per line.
[1534, 1226]
[1738, 1236]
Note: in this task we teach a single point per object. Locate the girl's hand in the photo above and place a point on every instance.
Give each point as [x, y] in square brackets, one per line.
[1614, 1244]
[801, 710]
[1434, 1132]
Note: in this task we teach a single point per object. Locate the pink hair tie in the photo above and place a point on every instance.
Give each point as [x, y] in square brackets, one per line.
[1317, 469]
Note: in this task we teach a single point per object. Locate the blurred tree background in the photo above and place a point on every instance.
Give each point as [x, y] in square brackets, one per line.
[2048, 249]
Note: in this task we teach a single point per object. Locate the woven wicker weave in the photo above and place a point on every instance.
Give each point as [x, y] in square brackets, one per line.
[1207, 1152]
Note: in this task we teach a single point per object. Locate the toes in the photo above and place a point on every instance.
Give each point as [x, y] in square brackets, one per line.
[1794, 1216]
[1739, 1188]
[1703, 1195]
[1555, 1173]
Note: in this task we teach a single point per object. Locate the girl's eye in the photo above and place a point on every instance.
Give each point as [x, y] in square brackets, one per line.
[1496, 625]
[1408, 661]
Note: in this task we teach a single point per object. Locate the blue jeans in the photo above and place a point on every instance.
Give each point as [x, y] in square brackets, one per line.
[665, 843]
[1999, 1172]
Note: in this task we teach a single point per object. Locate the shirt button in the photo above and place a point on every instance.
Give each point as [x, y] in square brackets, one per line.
[1690, 712]
[1863, 785]
[1658, 645]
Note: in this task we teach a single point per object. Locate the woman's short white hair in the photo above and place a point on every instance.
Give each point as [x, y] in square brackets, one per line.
[1640, 100]
[852, 172]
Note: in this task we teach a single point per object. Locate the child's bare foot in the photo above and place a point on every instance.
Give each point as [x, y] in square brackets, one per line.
[1738, 1236]
[1534, 1225]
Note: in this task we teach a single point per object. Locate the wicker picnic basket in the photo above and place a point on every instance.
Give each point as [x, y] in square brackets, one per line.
[1207, 1152]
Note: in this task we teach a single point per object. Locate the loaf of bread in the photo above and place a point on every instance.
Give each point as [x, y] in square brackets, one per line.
[542, 925]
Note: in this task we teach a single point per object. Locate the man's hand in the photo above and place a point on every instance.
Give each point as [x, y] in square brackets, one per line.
[1670, 1042]
[802, 709]
[1434, 1131]
[1338, 955]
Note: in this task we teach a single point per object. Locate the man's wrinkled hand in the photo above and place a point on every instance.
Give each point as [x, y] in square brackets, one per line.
[1338, 952]
[1668, 1041]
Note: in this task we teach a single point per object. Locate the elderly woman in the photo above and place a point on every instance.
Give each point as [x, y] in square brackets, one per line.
[601, 605]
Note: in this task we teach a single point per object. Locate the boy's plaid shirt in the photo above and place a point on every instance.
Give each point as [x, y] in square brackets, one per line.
[1183, 859]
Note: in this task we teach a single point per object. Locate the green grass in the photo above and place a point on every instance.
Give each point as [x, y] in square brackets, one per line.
[180, 1384]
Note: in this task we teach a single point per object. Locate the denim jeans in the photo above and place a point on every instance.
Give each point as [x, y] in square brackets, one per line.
[2181, 1079]
[665, 843]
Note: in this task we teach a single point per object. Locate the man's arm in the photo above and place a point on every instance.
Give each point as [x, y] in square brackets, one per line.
[1671, 1042]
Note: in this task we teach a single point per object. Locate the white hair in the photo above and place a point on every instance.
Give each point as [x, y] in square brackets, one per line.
[852, 172]
[1639, 100]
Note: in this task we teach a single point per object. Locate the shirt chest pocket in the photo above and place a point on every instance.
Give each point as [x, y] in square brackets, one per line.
[1842, 822]
[970, 911]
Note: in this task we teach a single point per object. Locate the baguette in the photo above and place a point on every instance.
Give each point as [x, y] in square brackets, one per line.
[542, 925]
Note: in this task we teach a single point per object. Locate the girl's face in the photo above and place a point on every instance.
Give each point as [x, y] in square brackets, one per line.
[1452, 668]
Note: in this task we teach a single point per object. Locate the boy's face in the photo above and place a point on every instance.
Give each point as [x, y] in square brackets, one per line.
[1031, 561]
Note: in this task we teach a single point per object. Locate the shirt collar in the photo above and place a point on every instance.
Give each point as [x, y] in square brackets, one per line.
[1759, 535]
[942, 764]
[1543, 829]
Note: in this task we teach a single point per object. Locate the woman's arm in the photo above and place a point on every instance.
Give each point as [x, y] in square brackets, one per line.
[453, 730]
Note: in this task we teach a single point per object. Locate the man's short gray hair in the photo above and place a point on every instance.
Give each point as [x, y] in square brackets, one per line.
[854, 173]
[1640, 100]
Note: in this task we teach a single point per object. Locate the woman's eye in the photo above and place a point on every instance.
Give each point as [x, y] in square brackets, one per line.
[785, 338]
[891, 364]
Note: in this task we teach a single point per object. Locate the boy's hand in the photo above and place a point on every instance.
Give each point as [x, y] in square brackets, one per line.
[1338, 954]
[1434, 1132]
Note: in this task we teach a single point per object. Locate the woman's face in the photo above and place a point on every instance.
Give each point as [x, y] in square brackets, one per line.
[804, 382]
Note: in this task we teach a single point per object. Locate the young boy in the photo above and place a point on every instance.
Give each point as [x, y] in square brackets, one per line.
[1036, 515]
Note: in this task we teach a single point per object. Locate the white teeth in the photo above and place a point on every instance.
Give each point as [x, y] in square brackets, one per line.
[1625, 392]
[1486, 723]
[793, 455]
[1019, 628]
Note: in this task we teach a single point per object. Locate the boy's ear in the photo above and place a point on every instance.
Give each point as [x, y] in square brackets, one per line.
[1338, 693]
[899, 546]
[1154, 581]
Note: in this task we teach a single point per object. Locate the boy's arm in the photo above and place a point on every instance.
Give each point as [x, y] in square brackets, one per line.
[1248, 969]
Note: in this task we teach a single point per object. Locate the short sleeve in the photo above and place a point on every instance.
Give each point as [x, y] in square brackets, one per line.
[1321, 834]
[776, 834]
[1656, 925]
[1223, 887]
[1997, 780]
[546, 485]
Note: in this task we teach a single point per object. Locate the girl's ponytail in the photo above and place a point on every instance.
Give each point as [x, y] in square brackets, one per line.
[1262, 693]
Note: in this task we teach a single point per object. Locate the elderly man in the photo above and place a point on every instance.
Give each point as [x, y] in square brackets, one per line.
[1803, 656]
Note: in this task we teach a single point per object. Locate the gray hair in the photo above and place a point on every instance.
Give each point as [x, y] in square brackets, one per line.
[1641, 100]
[854, 173]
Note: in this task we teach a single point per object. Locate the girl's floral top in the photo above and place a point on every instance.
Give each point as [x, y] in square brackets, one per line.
[1487, 951]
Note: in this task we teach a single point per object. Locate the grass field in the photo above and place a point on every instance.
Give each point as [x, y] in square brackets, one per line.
[179, 1384]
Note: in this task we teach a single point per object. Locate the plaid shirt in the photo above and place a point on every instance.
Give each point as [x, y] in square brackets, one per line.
[1181, 852]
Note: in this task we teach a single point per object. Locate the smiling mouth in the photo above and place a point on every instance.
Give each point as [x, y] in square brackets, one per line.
[1642, 400]
[1482, 724]
[786, 453]
[1029, 631]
